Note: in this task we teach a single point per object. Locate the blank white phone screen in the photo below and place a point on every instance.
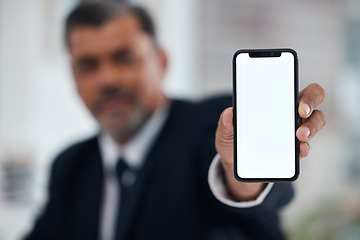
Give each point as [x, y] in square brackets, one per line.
[265, 116]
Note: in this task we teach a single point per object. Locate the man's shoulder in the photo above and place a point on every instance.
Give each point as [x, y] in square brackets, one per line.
[219, 102]
[72, 154]
[210, 109]
[80, 146]
[204, 113]
[214, 103]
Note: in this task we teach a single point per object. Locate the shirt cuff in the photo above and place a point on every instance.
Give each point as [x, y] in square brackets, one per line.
[219, 189]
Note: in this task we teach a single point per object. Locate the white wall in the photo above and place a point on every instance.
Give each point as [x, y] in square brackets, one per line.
[178, 27]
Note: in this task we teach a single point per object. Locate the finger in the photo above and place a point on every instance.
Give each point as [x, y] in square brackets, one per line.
[224, 135]
[309, 98]
[224, 132]
[311, 126]
[227, 119]
[304, 149]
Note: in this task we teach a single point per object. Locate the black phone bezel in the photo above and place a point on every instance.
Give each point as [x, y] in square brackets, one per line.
[268, 53]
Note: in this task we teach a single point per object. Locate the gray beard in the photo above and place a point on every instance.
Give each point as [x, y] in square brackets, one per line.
[138, 120]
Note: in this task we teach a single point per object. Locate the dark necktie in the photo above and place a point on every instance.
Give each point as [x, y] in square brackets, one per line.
[123, 173]
[125, 180]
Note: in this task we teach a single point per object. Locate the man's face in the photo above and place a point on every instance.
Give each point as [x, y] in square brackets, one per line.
[118, 72]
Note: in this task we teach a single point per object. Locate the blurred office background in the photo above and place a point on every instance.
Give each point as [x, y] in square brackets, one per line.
[40, 113]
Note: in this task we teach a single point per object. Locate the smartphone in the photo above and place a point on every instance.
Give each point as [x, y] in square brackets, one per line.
[265, 99]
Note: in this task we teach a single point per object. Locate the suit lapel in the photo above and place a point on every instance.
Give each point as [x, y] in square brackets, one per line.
[89, 192]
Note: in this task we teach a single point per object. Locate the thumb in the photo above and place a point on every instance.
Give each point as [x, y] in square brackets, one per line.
[224, 136]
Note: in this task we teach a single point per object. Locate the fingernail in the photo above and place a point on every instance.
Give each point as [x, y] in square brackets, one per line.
[226, 122]
[306, 108]
[306, 131]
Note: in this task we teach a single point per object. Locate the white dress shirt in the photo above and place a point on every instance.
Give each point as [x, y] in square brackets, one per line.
[134, 154]
[218, 188]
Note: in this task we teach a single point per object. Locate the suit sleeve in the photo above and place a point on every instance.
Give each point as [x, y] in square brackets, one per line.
[217, 184]
[260, 221]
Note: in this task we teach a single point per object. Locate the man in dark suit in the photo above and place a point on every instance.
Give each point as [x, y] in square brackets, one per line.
[153, 172]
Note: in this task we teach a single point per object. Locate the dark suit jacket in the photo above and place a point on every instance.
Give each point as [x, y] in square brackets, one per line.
[170, 199]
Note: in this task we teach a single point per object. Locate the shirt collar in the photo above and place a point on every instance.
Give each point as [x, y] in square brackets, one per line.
[134, 151]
